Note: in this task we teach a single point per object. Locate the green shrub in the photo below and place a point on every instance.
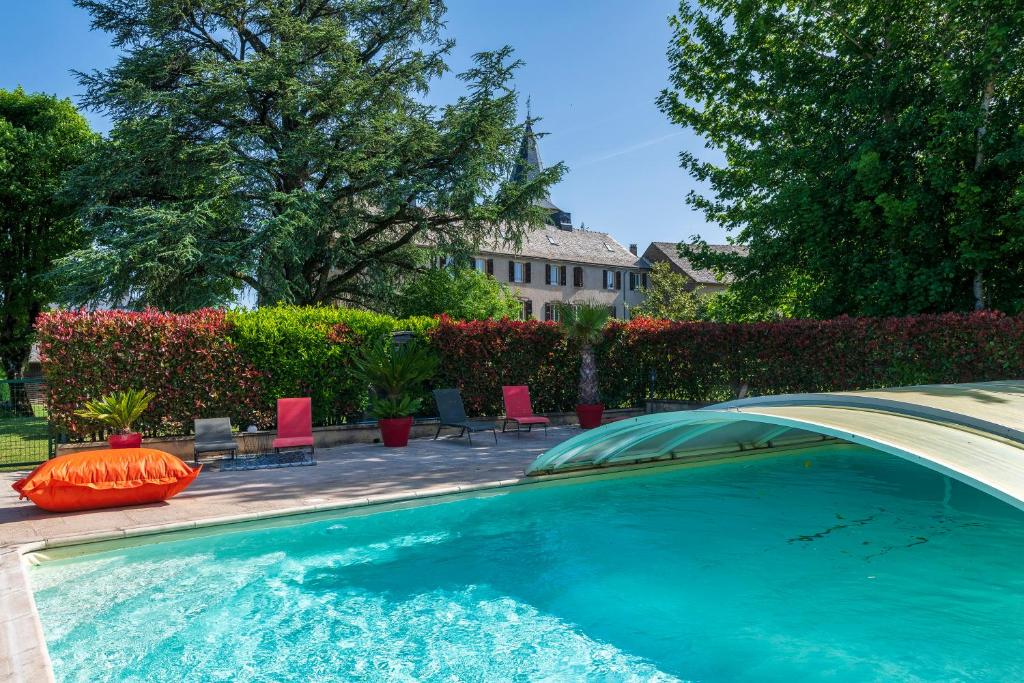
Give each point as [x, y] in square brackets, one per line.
[309, 351]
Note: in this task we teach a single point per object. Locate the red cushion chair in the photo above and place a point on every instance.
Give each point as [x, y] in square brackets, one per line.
[90, 480]
[294, 423]
[519, 410]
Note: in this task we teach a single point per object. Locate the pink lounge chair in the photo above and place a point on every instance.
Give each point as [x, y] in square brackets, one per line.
[519, 410]
[294, 423]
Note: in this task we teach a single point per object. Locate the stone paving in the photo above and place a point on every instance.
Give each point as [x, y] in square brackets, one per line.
[342, 474]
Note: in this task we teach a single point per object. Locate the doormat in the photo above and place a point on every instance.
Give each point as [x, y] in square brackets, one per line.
[268, 461]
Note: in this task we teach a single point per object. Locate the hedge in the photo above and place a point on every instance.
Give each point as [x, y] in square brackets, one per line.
[480, 356]
[208, 363]
[188, 359]
[307, 351]
[211, 363]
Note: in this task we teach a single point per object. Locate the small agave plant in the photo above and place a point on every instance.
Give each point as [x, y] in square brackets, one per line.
[118, 411]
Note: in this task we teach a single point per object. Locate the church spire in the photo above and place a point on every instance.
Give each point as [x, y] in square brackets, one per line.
[529, 165]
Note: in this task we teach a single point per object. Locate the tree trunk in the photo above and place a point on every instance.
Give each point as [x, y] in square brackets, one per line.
[588, 376]
[987, 97]
[979, 290]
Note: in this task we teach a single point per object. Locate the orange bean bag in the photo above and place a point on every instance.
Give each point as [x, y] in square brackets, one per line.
[109, 478]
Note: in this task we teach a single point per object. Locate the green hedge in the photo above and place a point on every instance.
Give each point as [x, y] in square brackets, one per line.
[236, 364]
[307, 351]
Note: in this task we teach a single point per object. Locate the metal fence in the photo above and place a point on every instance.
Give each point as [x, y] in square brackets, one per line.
[26, 438]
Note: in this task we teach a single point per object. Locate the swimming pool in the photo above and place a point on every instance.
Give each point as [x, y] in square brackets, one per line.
[842, 565]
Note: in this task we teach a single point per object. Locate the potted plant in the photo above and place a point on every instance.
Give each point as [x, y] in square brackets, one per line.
[584, 323]
[396, 373]
[118, 411]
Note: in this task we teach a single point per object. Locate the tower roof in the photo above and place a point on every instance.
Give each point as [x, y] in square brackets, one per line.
[529, 165]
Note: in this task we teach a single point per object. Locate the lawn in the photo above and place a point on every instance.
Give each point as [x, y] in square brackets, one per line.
[23, 439]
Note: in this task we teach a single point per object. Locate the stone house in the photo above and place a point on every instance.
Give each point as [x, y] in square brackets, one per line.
[705, 279]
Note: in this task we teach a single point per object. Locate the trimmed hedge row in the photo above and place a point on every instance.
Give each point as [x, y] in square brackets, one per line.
[711, 362]
[209, 363]
[214, 363]
[189, 360]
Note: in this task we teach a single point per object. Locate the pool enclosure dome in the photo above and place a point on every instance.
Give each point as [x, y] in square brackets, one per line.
[971, 432]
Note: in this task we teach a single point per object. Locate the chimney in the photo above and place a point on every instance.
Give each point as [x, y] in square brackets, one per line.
[632, 249]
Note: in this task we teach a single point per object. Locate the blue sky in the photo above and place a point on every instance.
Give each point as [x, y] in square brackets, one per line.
[593, 69]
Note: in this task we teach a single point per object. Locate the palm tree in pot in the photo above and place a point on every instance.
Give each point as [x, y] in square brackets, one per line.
[584, 323]
[118, 411]
[396, 373]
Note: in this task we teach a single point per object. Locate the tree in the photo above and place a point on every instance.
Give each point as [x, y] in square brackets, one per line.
[288, 146]
[584, 323]
[460, 293]
[669, 298]
[873, 159]
[41, 139]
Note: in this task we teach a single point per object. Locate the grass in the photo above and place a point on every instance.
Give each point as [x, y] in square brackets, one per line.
[23, 439]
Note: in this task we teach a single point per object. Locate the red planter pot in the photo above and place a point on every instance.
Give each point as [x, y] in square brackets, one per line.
[590, 415]
[130, 440]
[394, 431]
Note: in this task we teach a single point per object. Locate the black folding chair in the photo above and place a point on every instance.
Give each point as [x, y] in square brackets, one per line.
[452, 413]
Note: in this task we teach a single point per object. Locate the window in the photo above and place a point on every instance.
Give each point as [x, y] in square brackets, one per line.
[552, 312]
[554, 275]
[526, 312]
[448, 261]
[612, 279]
[643, 279]
[632, 281]
[518, 271]
[480, 265]
[577, 276]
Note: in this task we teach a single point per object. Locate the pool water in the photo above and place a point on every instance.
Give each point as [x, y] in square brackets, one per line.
[835, 566]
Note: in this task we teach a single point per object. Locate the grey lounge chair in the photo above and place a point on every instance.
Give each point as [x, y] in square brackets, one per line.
[213, 435]
[452, 413]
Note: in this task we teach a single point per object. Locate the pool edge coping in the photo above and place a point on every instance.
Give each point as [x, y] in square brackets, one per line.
[30, 661]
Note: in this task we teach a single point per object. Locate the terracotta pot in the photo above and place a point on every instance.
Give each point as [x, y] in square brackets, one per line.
[394, 431]
[590, 414]
[129, 440]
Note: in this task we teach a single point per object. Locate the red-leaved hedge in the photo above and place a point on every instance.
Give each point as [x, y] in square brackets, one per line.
[481, 356]
[186, 359]
[196, 369]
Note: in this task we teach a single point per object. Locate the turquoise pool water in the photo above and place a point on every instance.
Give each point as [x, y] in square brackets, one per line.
[842, 566]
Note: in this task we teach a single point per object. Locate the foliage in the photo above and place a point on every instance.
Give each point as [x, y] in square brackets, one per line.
[118, 410]
[479, 357]
[290, 147]
[41, 139]
[583, 324]
[396, 372]
[197, 368]
[712, 361]
[461, 293]
[310, 351]
[188, 360]
[873, 158]
[668, 296]
[391, 407]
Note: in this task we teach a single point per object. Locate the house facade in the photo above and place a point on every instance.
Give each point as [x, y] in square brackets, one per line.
[556, 265]
[560, 263]
[706, 280]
